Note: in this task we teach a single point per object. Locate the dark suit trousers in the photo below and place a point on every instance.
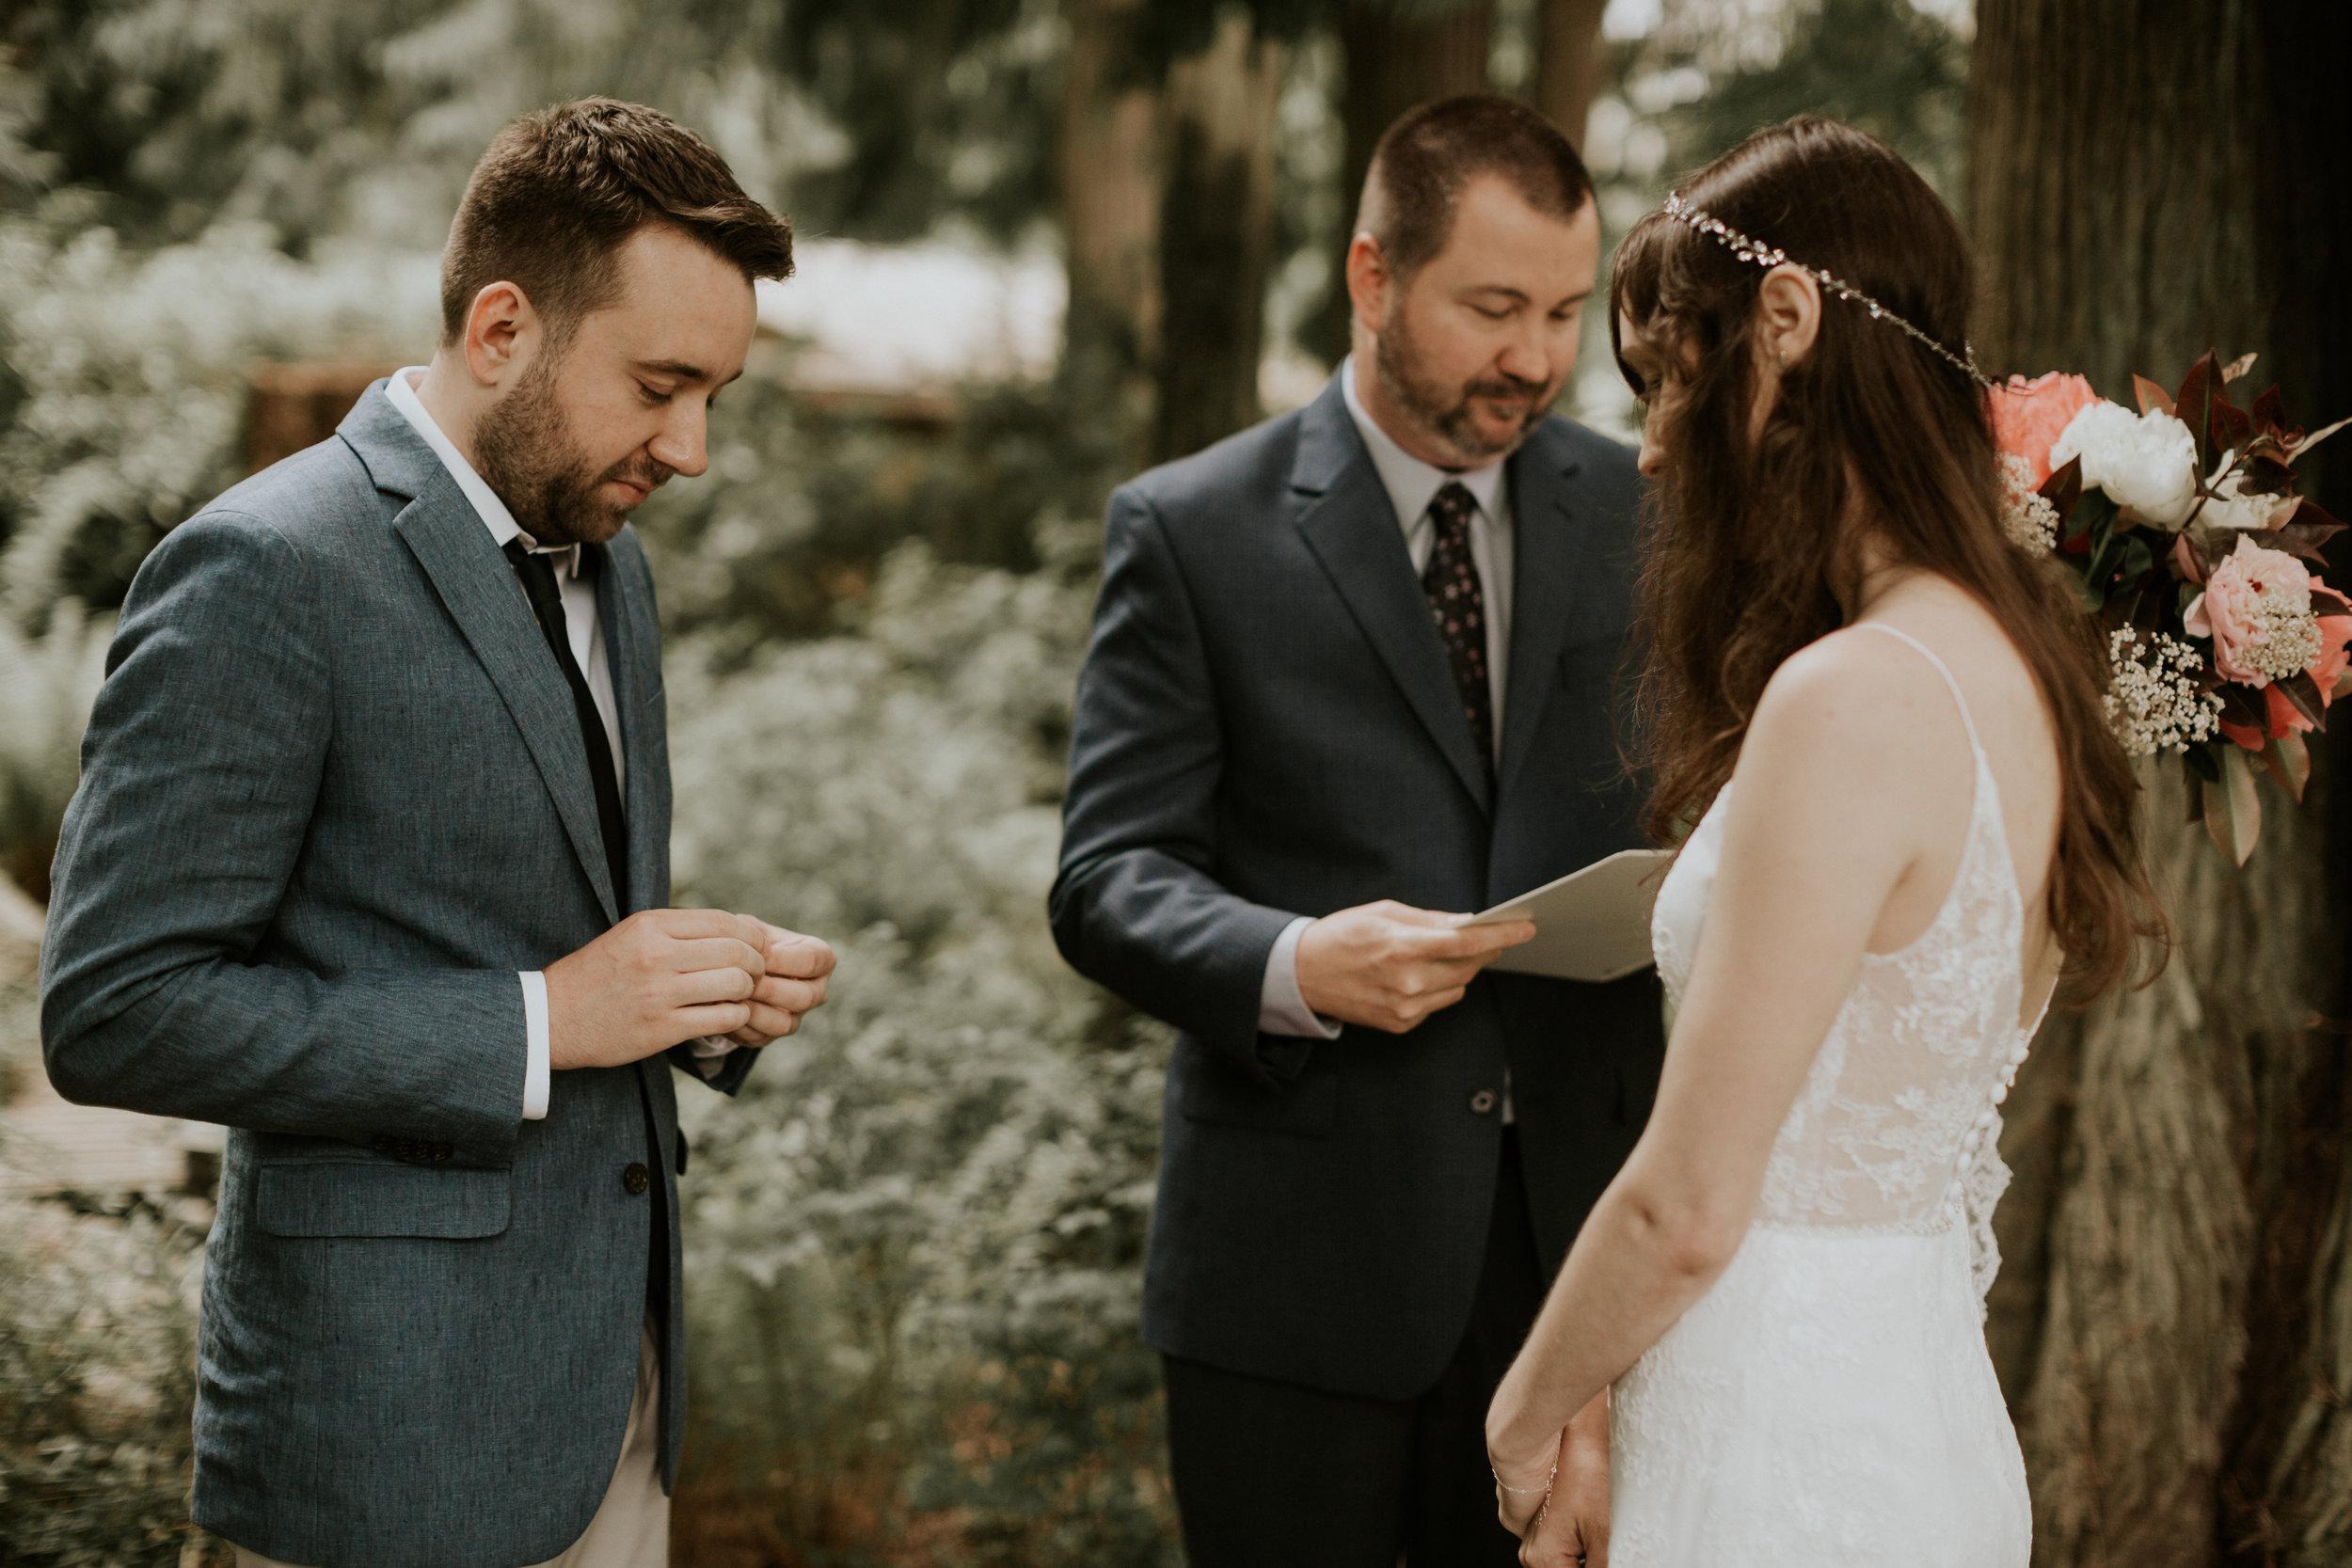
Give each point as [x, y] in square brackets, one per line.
[1274, 1474]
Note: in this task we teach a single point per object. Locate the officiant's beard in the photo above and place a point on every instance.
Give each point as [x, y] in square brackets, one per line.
[524, 449]
[1445, 411]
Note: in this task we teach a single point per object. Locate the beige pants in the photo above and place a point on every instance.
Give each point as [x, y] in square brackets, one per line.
[631, 1528]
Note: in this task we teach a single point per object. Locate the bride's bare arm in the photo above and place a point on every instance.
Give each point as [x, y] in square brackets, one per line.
[1846, 774]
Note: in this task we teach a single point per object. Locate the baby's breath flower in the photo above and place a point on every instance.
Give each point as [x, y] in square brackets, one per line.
[2153, 702]
[2290, 642]
[2026, 517]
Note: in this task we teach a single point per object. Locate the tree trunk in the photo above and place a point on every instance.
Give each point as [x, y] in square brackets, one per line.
[1568, 60]
[1107, 162]
[2149, 179]
[1216, 236]
[1393, 64]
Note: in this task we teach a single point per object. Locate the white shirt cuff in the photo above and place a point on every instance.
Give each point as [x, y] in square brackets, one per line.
[711, 1052]
[1282, 1010]
[534, 1045]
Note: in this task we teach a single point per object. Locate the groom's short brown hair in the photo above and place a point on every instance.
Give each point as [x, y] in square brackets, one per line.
[558, 193]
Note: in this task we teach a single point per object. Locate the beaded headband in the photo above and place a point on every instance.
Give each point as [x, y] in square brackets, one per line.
[1746, 249]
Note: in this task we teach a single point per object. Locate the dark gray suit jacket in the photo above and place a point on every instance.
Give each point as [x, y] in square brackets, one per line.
[1266, 727]
[334, 797]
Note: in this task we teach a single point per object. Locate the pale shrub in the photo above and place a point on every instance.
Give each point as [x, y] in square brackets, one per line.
[915, 1236]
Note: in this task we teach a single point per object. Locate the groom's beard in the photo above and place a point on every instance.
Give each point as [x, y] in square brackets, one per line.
[1446, 410]
[526, 456]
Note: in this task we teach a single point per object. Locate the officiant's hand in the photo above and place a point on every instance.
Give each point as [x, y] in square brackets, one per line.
[657, 978]
[793, 987]
[1389, 965]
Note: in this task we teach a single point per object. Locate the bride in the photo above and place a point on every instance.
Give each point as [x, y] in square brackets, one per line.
[1912, 825]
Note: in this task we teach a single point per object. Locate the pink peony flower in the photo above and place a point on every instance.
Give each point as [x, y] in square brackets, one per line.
[2282, 716]
[2242, 600]
[2030, 416]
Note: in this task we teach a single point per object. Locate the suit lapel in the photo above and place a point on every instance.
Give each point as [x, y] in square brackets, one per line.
[479, 590]
[1550, 552]
[626, 622]
[1349, 524]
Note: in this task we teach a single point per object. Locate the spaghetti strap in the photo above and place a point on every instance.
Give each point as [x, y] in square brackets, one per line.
[1941, 668]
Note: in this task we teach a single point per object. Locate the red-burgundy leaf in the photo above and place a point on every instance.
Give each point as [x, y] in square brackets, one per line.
[2244, 707]
[2263, 475]
[2270, 416]
[2230, 426]
[2303, 535]
[2193, 404]
[2302, 692]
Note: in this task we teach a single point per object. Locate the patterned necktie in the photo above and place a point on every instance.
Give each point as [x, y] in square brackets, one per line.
[547, 603]
[1459, 604]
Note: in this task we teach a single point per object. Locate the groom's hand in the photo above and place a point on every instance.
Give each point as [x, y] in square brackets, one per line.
[657, 978]
[793, 987]
[1389, 965]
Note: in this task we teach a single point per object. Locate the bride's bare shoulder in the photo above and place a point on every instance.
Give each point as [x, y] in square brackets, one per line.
[1839, 690]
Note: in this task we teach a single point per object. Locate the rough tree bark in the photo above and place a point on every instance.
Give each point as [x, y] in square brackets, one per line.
[2149, 179]
[1568, 60]
[1217, 235]
[1395, 58]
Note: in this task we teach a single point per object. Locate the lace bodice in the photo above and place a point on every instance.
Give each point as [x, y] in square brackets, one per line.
[1896, 1128]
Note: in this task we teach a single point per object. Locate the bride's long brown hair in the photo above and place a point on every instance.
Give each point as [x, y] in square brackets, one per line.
[1745, 550]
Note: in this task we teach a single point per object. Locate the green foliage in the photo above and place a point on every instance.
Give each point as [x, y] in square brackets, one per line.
[782, 539]
[915, 1235]
[123, 380]
[362, 117]
[97, 1368]
[47, 685]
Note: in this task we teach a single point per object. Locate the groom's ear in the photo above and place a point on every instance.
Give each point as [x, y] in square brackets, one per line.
[1368, 280]
[502, 331]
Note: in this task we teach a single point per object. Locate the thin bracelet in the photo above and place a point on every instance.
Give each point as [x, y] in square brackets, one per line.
[1527, 1491]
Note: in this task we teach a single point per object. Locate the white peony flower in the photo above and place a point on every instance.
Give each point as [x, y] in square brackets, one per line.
[2226, 508]
[2147, 462]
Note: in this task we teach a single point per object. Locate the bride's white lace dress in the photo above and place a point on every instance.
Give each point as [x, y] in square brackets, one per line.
[1829, 1402]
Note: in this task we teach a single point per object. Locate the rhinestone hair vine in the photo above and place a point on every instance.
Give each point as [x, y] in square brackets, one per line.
[1699, 221]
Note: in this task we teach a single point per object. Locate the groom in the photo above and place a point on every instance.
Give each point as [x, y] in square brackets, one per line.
[1352, 676]
[370, 862]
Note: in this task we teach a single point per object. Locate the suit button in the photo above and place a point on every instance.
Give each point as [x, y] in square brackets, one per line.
[637, 1178]
[1482, 1102]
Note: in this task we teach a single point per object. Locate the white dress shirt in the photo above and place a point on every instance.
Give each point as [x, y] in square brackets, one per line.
[1411, 484]
[586, 635]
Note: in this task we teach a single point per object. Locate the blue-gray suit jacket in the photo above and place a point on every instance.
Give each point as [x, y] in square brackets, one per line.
[1267, 727]
[333, 797]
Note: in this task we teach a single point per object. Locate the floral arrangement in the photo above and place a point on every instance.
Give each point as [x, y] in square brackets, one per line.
[2181, 527]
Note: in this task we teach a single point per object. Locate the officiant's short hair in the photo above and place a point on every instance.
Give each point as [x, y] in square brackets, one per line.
[559, 192]
[1423, 161]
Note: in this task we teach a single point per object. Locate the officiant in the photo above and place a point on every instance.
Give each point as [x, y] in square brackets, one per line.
[1355, 673]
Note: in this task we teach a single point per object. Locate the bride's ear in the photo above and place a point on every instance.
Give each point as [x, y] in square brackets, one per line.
[1787, 315]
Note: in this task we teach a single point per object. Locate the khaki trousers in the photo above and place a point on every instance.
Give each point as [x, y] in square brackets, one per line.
[631, 1528]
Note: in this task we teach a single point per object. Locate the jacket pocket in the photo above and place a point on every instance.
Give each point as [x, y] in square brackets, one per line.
[348, 1198]
[1307, 1107]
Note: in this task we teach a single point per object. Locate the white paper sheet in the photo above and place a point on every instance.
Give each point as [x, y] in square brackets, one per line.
[1590, 925]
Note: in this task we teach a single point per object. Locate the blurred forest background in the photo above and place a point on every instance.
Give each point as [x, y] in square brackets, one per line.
[1045, 242]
